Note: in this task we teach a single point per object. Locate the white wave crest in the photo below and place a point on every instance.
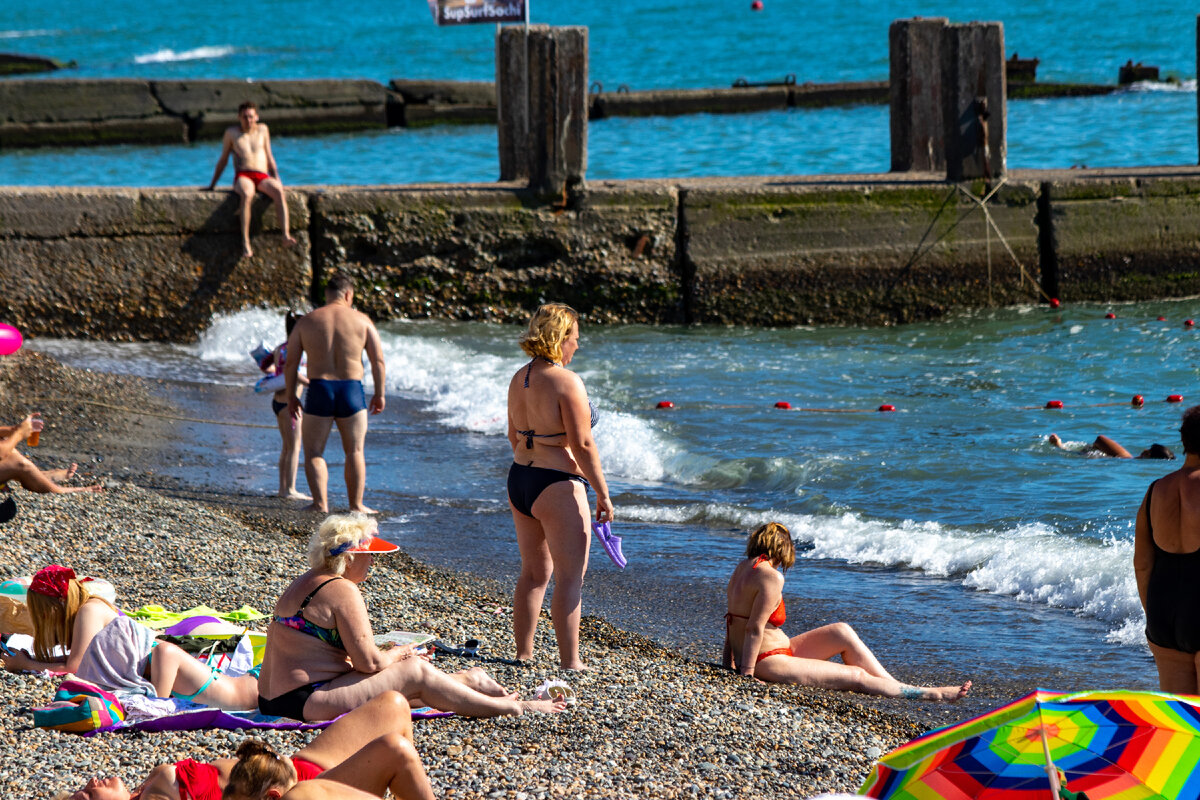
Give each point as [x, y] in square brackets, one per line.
[28, 34]
[167, 55]
[1031, 563]
[1163, 86]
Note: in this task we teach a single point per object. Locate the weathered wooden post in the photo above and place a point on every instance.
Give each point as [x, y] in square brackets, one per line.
[974, 92]
[915, 87]
[542, 106]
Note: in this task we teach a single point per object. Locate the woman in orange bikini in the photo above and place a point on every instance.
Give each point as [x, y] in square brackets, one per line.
[756, 646]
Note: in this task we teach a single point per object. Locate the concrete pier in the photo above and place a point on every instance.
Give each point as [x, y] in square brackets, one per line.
[875, 249]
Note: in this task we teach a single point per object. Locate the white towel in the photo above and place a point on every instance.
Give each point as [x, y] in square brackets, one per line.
[118, 656]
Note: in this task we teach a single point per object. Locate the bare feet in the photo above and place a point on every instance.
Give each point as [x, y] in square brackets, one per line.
[246, 251]
[288, 240]
[62, 475]
[96, 487]
[316, 508]
[294, 495]
[543, 706]
[579, 666]
[364, 510]
[947, 694]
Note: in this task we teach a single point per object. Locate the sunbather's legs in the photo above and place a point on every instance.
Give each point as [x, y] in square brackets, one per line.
[421, 683]
[173, 670]
[478, 679]
[841, 677]
[387, 713]
[16, 467]
[388, 762]
[838, 639]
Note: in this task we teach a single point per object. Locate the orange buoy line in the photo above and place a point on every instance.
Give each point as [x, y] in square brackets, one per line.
[783, 405]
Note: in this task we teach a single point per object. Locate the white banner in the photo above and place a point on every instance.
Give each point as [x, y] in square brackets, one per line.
[466, 12]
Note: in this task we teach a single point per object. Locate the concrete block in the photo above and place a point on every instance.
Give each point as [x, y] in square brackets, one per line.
[915, 95]
[1126, 239]
[498, 253]
[424, 116]
[676, 102]
[844, 253]
[58, 101]
[974, 91]
[468, 93]
[144, 130]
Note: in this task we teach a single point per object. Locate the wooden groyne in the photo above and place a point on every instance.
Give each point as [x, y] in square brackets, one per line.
[859, 249]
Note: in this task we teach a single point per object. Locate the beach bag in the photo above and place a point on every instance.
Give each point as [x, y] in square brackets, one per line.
[79, 707]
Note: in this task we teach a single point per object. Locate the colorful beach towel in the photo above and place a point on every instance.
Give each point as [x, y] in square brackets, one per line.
[191, 717]
[157, 617]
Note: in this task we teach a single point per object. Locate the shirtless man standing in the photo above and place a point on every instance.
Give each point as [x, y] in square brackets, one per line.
[254, 170]
[334, 337]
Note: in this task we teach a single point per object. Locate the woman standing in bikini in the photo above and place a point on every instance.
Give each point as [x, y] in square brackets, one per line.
[1166, 563]
[756, 646]
[554, 461]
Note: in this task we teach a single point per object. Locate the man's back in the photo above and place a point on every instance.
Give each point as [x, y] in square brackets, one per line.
[334, 337]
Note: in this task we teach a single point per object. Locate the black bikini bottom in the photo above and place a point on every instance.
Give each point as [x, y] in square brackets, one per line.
[525, 484]
[289, 704]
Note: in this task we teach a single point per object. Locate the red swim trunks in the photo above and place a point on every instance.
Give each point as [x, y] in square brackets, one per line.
[257, 177]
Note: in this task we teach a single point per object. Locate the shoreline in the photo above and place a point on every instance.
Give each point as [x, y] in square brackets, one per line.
[650, 723]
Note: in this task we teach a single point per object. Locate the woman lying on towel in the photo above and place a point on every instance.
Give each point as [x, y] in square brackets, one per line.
[321, 659]
[757, 647]
[369, 749]
[109, 649]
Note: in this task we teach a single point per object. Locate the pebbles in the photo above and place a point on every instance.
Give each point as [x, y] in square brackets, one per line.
[648, 724]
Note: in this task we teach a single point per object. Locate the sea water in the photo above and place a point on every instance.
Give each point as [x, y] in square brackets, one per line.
[648, 44]
[948, 531]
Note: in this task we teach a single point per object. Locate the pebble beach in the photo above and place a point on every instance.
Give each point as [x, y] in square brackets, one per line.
[648, 723]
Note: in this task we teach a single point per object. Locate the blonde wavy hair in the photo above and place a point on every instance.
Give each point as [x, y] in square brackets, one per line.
[54, 618]
[258, 769]
[772, 540]
[548, 327]
[336, 530]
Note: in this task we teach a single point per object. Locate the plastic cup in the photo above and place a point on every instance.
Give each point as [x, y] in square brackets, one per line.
[34, 438]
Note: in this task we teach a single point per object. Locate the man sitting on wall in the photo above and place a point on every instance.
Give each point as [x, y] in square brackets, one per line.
[254, 170]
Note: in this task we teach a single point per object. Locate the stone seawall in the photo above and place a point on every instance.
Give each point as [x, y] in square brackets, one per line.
[883, 249]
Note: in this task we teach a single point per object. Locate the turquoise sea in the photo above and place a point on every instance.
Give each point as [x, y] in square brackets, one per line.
[948, 532]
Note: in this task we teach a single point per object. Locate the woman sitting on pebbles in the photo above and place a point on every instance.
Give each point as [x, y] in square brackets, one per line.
[321, 659]
[369, 749]
[109, 649]
[756, 647]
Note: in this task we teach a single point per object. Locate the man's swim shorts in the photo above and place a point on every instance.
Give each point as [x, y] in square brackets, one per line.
[337, 399]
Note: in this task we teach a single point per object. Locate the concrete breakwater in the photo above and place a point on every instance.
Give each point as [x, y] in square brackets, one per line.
[157, 264]
[70, 112]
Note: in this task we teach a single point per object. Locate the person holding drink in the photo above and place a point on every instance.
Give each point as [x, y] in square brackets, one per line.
[16, 467]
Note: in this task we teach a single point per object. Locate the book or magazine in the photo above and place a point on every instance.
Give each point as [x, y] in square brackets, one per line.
[397, 638]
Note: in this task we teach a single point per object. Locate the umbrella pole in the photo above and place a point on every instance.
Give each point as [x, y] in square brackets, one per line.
[1051, 770]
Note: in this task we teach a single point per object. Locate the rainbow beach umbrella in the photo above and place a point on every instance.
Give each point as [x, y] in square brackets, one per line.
[1118, 744]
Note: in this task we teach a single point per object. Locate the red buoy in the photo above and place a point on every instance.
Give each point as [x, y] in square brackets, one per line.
[1189, 323]
[783, 404]
[1162, 319]
[1174, 398]
[1054, 302]
[1138, 401]
[665, 404]
[757, 5]
[1054, 404]
[1110, 315]
[887, 407]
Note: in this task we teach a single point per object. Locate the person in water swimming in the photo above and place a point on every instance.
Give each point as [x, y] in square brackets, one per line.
[757, 647]
[1104, 446]
[555, 460]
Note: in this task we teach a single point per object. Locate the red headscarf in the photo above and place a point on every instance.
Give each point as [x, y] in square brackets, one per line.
[52, 581]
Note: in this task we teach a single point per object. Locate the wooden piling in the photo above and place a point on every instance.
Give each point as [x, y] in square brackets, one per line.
[917, 127]
[974, 89]
[542, 106]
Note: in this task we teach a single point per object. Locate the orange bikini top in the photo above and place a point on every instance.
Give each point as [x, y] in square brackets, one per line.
[778, 616]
